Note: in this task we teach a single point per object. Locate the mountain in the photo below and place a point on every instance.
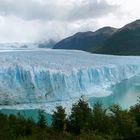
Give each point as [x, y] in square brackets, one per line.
[126, 41]
[107, 40]
[86, 40]
[18, 45]
[27, 45]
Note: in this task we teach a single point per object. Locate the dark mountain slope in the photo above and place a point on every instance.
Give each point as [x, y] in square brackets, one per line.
[107, 40]
[126, 41]
[86, 40]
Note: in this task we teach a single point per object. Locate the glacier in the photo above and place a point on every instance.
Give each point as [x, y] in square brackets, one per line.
[44, 78]
[18, 45]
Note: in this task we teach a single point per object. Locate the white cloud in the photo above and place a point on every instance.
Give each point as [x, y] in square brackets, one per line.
[33, 20]
[55, 9]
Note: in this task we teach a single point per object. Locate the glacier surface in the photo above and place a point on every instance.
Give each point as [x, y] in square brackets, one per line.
[45, 77]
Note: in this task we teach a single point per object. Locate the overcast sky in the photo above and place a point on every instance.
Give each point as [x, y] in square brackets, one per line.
[36, 20]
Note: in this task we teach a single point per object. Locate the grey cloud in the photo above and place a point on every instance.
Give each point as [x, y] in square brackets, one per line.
[91, 9]
[55, 9]
[26, 9]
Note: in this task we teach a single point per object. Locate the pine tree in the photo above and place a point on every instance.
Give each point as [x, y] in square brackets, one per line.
[135, 111]
[41, 119]
[124, 123]
[100, 119]
[80, 117]
[59, 119]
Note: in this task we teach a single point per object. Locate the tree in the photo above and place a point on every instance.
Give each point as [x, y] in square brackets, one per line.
[41, 119]
[135, 111]
[101, 121]
[80, 117]
[124, 123]
[59, 119]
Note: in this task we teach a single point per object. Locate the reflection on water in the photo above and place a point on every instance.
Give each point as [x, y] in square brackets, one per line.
[125, 93]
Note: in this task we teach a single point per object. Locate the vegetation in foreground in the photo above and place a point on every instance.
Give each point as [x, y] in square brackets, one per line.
[83, 123]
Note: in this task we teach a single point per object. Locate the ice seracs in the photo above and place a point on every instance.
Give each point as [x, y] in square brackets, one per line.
[43, 76]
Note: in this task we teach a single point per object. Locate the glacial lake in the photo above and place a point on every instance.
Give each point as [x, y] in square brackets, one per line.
[125, 93]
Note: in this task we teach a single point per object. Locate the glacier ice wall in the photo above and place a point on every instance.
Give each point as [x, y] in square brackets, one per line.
[54, 75]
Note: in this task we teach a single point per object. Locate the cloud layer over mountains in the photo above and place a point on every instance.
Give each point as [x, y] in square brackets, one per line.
[34, 20]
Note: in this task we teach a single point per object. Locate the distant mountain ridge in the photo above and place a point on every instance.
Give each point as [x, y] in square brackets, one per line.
[28, 45]
[86, 40]
[107, 40]
[126, 41]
